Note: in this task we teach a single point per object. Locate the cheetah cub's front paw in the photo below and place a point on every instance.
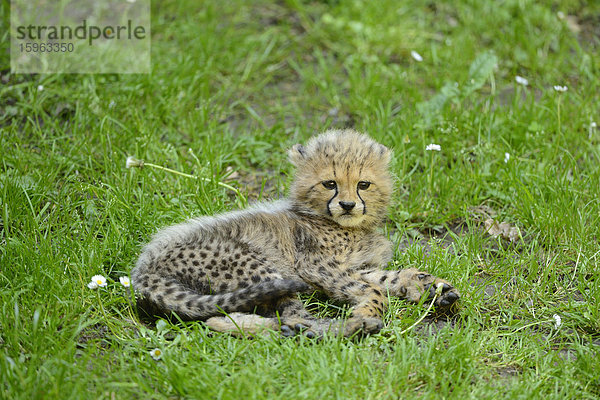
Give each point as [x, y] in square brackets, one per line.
[362, 325]
[448, 296]
[423, 283]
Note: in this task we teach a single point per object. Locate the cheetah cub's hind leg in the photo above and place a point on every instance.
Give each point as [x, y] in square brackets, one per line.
[292, 319]
[241, 325]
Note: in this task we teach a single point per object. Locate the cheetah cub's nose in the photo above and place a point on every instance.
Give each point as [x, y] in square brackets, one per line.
[347, 205]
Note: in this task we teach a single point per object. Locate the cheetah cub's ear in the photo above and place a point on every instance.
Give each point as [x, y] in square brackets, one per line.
[297, 154]
[385, 154]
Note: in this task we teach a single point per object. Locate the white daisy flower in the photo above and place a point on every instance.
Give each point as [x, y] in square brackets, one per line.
[433, 146]
[521, 81]
[98, 280]
[124, 281]
[40, 88]
[133, 162]
[92, 285]
[416, 56]
[593, 124]
[506, 157]
[559, 88]
[557, 321]
[156, 353]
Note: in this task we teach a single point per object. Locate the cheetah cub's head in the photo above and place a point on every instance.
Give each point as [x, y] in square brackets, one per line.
[342, 175]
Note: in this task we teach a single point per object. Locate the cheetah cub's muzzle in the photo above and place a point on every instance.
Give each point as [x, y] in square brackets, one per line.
[346, 205]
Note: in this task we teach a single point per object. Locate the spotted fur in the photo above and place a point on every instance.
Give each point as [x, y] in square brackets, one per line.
[252, 263]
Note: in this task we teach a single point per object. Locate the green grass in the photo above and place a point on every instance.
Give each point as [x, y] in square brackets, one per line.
[238, 83]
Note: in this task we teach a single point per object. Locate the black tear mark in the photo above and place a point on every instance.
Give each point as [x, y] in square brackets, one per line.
[362, 201]
[330, 200]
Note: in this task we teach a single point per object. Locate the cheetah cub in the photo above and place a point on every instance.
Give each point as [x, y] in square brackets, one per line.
[252, 263]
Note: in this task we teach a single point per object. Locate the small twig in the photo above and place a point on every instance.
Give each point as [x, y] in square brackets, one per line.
[438, 291]
[525, 326]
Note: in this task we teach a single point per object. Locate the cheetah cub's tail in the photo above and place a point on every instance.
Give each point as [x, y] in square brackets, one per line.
[163, 296]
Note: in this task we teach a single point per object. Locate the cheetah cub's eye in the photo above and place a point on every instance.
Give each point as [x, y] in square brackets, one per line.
[330, 185]
[363, 185]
